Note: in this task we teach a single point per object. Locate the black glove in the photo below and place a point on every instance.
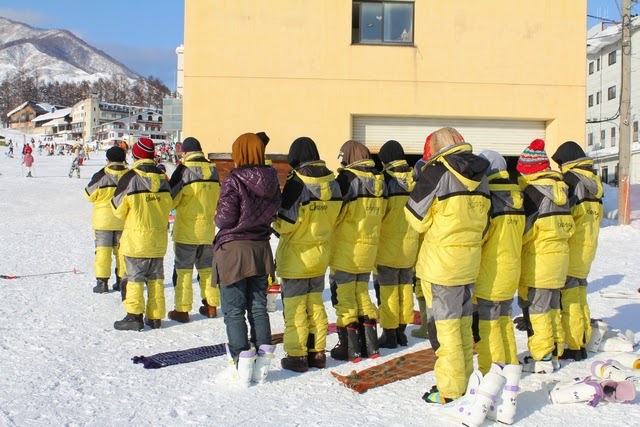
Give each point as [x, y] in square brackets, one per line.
[520, 323]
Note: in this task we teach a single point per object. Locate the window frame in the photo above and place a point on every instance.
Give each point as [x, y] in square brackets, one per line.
[356, 36]
[590, 139]
[590, 104]
[612, 58]
[598, 97]
[611, 93]
[635, 132]
[613, 136]
[591, 67]
[603, 137]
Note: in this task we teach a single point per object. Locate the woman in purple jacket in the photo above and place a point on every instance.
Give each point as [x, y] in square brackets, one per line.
[248, 204]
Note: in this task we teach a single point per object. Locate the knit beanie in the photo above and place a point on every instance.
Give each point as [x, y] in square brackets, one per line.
[533, 159]
[143, 149]
[391, 151]
[190, 144]
[116, 154]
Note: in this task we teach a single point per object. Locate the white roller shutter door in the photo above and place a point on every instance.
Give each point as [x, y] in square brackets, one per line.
[508, 137]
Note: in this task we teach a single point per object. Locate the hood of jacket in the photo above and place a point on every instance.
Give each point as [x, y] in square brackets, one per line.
[468, 168]
[366, 172]
[402, 173]
[147, 169]
[318, 181]
[261, 180]
[549, 183]
[568, 152]
[583, 169]
[502, 188]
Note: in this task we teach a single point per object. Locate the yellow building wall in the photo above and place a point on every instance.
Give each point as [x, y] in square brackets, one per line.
[287, 67]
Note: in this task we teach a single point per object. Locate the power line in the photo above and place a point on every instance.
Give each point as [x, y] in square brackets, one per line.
[602, 19]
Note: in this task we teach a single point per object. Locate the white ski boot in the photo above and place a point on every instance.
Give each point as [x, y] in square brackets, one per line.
[482, 392]
[612, 370]
[544, 366]
[628, 360]
[614, 340]
[504, 411]
[598, 329]
[579, 390]
[240, 373]
[263, 362]
[618, 391]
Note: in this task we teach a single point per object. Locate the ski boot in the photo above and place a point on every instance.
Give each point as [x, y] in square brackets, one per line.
[131, 322]
[348, 347]
[504, 410]
[153, 323]
[579, 390]
[101, 286]
[544, 366]
[472, 408]
[262, 363]
[240, 372]
[368, 337]
[295, 363]
[388, 339]
[401, 337]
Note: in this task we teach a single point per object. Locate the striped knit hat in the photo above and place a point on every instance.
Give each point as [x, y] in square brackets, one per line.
[533, 159]
[143, 149]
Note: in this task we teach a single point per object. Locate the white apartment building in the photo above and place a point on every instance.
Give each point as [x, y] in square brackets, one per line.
[602, 138]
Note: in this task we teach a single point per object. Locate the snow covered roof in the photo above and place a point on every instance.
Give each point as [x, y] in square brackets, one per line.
[39, 107]
[55, 122]
[597, 40]
[53, 115]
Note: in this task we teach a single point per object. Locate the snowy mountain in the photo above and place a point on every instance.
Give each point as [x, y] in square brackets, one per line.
[57, 55]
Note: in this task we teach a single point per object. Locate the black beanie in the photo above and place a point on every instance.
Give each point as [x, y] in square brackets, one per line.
[568, 152]
[263, 137]
[302, 150]
[391, 151]
[116, 154]
[191, 144]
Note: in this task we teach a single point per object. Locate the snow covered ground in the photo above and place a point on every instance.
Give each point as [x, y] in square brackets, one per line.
[62, 363]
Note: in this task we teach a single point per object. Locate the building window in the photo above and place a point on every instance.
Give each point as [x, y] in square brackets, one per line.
[590, 100]
[603, 136]
[598, 65]
[598, 98]
[612, 57]
[613, 137]
[591, 67]
[611, 93]
[590, 139]
[604, 174]
[382, 22]
[635, 131]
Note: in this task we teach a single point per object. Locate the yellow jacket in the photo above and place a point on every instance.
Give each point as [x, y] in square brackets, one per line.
[585, 199]
[549, 225]
[500, 265]
[450, 204]
[143, 201]
[357, 232]
[195, 187]
[398, 241]
[311, 202]
[100, 192]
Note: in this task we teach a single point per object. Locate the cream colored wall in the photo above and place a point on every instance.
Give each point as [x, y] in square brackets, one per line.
[288, 67]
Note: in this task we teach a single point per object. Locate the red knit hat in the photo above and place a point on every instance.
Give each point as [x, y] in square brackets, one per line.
[533, 159]
[143, 149]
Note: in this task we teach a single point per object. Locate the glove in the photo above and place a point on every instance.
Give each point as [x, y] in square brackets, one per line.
[520, 323]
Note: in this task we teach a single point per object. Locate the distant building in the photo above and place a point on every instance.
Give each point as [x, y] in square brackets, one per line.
[143, 123]
[603, 100]
[23, 117]
[90, 113]
[180, 70]
[56, 123]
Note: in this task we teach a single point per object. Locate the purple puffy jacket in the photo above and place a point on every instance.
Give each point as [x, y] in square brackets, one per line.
[248, 204]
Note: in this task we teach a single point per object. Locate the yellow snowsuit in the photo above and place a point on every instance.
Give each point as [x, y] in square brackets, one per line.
[397, 249]
[499, 274]
[195, 187]
[100, 192]
[585, 199]
[450, 204]
[355, 240]
[311, 202]
[143, 200]
[545, 260]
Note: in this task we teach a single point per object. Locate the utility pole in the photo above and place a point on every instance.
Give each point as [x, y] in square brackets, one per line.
[624, 153]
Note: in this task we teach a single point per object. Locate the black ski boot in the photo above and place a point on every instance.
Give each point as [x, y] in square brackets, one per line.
[370, 337]
[401, 337]
[131, 322]
[340, 351]
[388, 339]
[353, 343]
[116, 286]
[153, 323]
[101, 286]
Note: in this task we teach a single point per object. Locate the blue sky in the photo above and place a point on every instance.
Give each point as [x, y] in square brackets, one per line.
[142, 34]
[609, 9]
